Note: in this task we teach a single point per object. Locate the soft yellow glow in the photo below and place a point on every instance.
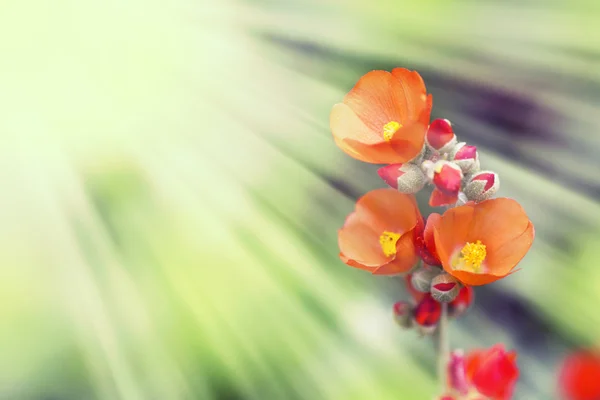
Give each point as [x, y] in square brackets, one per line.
[390, 129]
[388, 242]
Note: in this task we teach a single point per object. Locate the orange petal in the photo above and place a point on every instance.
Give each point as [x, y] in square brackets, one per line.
[405, 145]
[359, 242]
[497, 221]
[452, 229]
[503, 259]
[378, 98]
[470, 278]
[432, 221]
[414, 89]
[376, 212]
[345, 124]
[355, 264]
[406, 258]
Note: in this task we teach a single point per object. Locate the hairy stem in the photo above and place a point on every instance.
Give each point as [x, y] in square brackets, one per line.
[443, 348]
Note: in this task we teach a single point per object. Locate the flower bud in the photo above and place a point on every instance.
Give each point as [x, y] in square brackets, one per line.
[403, 314]
[407, 178]
[482, 186]
[428, 312]
[422, 277]
[466, 157]
[447, 178]
[462, 302]
[457, 378]
[445, 288]
[440, 136]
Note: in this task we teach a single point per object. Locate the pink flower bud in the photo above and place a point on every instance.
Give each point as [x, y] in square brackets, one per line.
[440, 136]
[482, 186]
[457, 374]
[403, 314]
[466, 157]
[447, 178]
[445, 288]
[407, 178]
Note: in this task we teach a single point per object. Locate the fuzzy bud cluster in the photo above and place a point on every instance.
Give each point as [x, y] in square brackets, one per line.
[430, 286]
[452, 168]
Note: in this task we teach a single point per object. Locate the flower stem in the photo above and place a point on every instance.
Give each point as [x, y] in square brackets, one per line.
[443, 348]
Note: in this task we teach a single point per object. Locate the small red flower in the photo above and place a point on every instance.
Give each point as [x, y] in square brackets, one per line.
[579, 376]
[379, 236]
[489, 372]
[493, 372]
[383, 119]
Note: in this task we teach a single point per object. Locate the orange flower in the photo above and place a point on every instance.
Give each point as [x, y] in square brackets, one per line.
[384, 118]
[479, 243]
[379, 236]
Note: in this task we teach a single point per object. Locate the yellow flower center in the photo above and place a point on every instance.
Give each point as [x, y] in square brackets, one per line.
[471, 257]
[388, 242]
[389, 129]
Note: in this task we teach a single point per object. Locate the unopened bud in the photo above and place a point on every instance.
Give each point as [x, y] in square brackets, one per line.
[445, 288]
[466, 157]
[422, 277]
[407, 178]
[403, 314]
[427, 313]
[447, 177]
[462, 302]
[440, 136]
[482, 186]
[457, 378]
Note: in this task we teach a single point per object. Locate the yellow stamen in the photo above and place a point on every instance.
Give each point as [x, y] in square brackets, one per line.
[471, 257]
[388, 242]
[390, 129]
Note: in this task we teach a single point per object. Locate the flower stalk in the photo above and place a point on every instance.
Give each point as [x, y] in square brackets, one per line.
[443, 349]
[479, 239]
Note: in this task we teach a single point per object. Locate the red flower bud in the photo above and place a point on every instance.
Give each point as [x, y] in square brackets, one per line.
[466, 157]
[428, 312]
[440, 135]
[462, 302]
[447, 178]
[403, 314]
[579, 376]
[482, 186]
[406, 178]
[444, 288]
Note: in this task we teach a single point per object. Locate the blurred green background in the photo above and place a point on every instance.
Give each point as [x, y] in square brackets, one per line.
[171, 193]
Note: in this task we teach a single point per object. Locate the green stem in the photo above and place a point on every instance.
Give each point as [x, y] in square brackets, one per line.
[443, 348]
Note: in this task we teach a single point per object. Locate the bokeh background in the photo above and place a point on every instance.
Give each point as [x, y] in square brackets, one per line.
[171, 193]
